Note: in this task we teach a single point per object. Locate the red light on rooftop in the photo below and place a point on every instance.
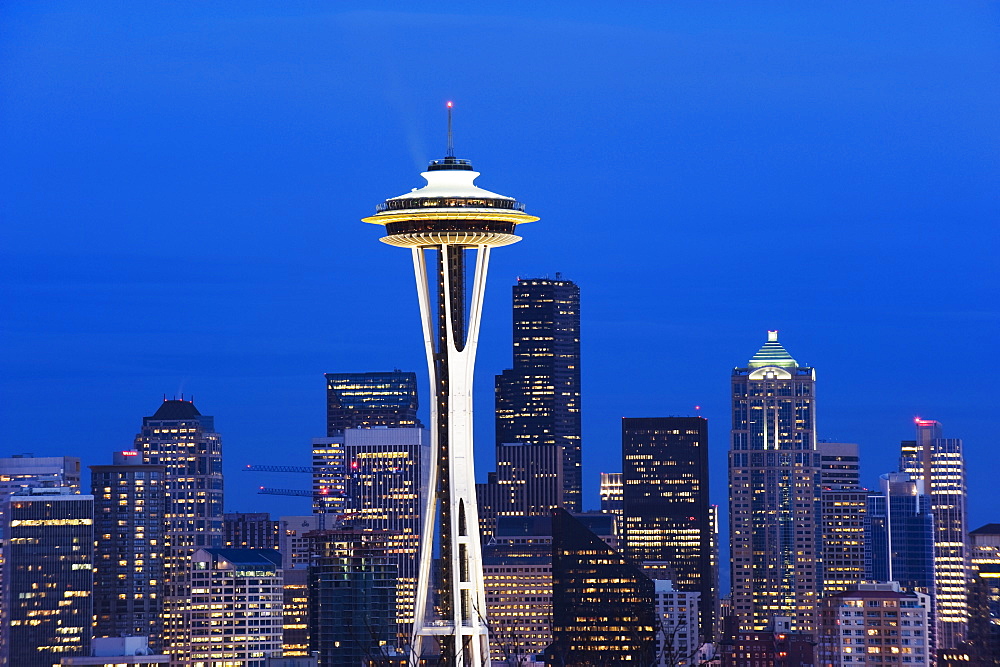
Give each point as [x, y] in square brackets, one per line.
[451, 104]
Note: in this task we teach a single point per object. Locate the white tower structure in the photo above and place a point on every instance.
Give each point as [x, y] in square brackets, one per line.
[445, 224]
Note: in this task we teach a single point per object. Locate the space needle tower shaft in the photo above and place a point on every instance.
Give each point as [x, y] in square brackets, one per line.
[450, 226]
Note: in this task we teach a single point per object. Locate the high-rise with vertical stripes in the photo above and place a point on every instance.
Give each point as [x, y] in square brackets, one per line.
[774, 472]
[939, 464]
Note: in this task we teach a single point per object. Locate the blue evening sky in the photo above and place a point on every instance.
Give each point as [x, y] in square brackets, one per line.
[182, 183]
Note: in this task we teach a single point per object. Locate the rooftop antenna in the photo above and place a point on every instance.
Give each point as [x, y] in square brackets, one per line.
[451, 140]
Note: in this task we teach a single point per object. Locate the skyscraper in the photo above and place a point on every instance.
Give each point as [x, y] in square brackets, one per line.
[517, 567]
[843, 523]
[329, 475]
[939, 464]
[183, 440]
[129, 507]
[840, 465]
[247, 584]
[538, 400]
[666, 513]
[603, 606]
[48, 579]
[843, 505]
[442, 223]
[364, 400]
[352, 597]
[18, 475]
[899, 534]
[387, 482]
[773, 484]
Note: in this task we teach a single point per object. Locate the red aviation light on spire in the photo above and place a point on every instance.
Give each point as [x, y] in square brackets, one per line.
[450, 104]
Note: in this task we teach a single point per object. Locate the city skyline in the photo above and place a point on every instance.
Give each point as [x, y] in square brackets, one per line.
[861, 172]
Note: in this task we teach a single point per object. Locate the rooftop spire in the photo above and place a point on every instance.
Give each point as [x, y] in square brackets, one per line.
[450, 162]
[451, 137]
[772, 354]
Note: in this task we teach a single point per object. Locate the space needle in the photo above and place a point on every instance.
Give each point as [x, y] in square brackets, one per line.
[450, 226]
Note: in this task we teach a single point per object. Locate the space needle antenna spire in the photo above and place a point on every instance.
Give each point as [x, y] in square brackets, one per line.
[451, 136]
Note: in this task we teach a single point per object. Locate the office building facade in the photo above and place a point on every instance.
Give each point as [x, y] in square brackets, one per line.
[387, 483]
[250, 530]
[938, 463]
[678, 618]
[295, 613]
[984, 556]
[47, 591]
[25, 471]
[602, 604]
[352, 597]
[843, 514]
[178, 437]
[129, 514]
[774, 471]
[666, 513]
[329, 475]
[368, 400]
[899, 534]
[843, 506]
[612, 500]
[518, 581]
[875, 624]
[538, 400]
[840, 465]
[984, 607]
[235, 613]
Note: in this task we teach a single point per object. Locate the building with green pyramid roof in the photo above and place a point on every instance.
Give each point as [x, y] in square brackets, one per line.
[772, 353]
[774, 474]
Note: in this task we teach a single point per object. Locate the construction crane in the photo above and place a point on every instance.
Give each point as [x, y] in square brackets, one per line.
[255, 468]
[267, 490]
[301, 493]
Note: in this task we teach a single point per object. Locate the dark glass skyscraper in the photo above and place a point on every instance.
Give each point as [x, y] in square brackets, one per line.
[899, 534]
[666, 509]
[538, 400]
[603, 606]
[774, 471]
[129, 507]
[364, 400]
[48, 577]
[352, 597]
